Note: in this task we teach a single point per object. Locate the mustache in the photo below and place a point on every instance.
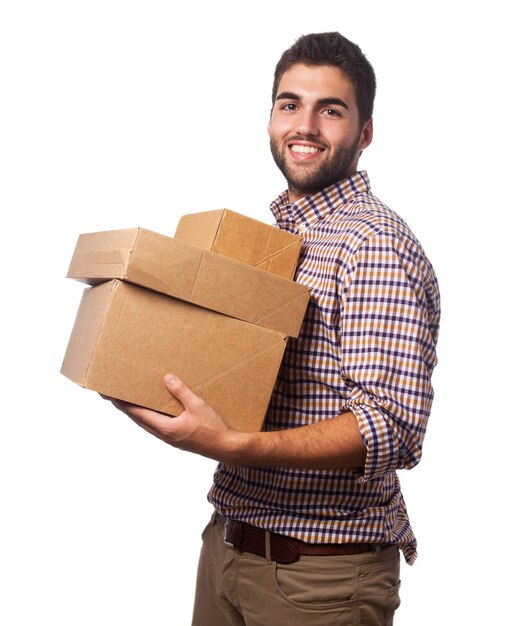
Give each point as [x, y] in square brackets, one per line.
[311, 138]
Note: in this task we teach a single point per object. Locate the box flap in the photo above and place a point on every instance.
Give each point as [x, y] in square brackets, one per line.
[164, 264]
[266, 245]
[252, 376]
[243, 292]
[100, 256]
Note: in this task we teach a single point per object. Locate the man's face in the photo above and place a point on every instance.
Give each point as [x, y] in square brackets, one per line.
[315, 131]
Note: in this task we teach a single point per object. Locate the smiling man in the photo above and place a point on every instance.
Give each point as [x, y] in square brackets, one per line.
[310, 519]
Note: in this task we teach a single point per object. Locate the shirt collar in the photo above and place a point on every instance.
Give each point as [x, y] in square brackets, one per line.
[301, 215]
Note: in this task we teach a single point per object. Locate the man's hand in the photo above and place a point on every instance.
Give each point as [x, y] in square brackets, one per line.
[197, 429]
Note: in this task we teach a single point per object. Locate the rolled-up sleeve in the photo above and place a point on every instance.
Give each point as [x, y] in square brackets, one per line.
[388, 327]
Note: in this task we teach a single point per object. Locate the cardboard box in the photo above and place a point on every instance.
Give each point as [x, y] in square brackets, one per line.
[126, 338]
[192, 274]
[242, 238]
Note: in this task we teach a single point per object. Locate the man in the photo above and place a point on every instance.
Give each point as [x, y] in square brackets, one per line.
[311, 507]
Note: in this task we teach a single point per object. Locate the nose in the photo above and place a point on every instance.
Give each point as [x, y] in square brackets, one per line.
[307, 122]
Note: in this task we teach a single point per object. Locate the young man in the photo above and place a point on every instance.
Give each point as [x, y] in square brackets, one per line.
[311, 508]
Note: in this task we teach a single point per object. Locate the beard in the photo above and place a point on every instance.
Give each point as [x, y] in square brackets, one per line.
[304, 179]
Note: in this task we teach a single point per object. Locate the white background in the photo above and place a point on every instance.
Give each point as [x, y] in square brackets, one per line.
[120, 114]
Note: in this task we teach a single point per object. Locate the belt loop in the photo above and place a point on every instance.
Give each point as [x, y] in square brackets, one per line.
[377, 549]
[268, 552]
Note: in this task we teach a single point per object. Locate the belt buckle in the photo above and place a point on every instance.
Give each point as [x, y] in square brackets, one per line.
[225, 536]
[232, 533]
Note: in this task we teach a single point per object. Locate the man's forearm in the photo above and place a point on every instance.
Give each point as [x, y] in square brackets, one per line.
[330, 444]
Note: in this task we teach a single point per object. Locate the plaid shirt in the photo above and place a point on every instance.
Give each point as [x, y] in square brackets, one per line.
[368, 346]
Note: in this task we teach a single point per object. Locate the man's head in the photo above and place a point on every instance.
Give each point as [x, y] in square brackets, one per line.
[321, 114]
[332, 49]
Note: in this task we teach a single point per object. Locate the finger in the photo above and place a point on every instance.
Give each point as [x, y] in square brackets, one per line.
[182, 392]
[120, 405]
[134, 411]
[152, 421]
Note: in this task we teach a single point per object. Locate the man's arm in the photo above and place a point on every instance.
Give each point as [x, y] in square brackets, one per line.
[388, 327]
[330, 444]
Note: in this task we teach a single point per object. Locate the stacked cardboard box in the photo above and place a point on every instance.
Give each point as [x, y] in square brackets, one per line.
[243, 239]
[159, 305]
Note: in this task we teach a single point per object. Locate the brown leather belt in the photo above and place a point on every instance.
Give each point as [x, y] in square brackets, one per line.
[283, 549]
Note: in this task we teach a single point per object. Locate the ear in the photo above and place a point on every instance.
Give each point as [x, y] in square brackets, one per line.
[366, 135]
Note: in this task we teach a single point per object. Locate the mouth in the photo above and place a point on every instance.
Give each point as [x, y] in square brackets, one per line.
[303, 150]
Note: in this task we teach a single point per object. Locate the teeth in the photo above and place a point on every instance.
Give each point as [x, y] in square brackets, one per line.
[305, 149]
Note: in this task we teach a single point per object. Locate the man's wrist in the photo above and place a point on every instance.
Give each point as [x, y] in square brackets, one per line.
[237, 448]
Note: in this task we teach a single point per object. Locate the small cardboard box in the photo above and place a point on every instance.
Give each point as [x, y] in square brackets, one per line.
[190, 273]
[242, 238]
[126, 338]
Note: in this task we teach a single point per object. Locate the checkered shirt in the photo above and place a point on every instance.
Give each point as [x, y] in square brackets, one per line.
[367, 345]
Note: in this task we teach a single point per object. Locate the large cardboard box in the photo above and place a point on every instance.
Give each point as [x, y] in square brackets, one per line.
[126, 338]
[191, 273]
[242, 238]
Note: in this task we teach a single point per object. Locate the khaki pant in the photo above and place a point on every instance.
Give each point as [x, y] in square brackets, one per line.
[240, 589]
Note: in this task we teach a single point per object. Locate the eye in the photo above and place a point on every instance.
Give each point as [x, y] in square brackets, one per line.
[288, 106]
[331, 112]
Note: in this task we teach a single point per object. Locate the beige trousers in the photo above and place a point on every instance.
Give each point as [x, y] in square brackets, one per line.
[240, 589]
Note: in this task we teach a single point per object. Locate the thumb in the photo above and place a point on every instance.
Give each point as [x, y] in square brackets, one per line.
[181, 391]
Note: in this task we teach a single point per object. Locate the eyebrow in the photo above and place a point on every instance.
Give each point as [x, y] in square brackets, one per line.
[288, 95]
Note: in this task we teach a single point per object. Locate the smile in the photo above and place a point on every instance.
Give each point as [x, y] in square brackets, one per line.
[305, 149]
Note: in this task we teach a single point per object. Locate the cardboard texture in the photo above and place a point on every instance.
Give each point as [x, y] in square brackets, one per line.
[193, 274]
[126, 338]
[242, 238]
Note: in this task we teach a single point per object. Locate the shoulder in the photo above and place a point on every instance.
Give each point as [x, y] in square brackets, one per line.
[379, 242]
[365, 223]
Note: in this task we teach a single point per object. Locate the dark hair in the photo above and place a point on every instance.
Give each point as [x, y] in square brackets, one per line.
[332, 49]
